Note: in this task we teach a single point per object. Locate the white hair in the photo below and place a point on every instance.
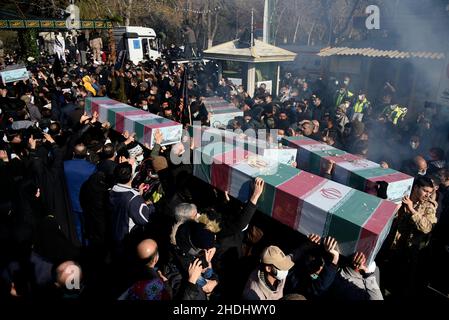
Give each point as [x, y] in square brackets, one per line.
[183, 212]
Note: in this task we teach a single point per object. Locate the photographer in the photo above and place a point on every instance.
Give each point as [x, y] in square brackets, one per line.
[195, 247]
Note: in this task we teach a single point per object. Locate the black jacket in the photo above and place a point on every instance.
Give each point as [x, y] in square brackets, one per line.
[94, 200]
[49, 175]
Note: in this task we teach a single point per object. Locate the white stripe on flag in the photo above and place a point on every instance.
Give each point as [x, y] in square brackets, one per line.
[318, 204]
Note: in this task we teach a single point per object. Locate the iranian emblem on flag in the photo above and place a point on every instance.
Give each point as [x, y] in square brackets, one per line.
[331, 193]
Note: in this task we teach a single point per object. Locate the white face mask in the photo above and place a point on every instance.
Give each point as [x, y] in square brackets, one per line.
[346, 82]
[361, 98]
[414, 145]
[139, 158]
[145, 107]
[281, 275]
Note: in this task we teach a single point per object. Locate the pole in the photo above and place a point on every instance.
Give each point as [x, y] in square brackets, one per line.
[266, 23]
[252, 28]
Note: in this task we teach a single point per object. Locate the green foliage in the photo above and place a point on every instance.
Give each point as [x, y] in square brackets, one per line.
[28, 41]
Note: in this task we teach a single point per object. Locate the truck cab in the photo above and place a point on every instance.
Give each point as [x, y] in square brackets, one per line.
[139, 43]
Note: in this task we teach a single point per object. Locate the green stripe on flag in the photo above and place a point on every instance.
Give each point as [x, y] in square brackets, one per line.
[284, 173]
[153, 121]
[375, 172]
[348, 218]
[112, 113]
[203, 158]
[357, 179]
[140, 130]
[316, 156]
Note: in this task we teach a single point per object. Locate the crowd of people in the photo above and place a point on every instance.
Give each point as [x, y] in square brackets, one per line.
[87, 212]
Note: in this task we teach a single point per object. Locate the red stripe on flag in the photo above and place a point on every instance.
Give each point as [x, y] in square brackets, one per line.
[232, 157]
[290, 197]
[373, 227]
[343, 158]
[298, 143]
[222, 167]
[302, 185]
[120, 118]
[392, 177]
[287, 208]
[96, 103]
[220, 175]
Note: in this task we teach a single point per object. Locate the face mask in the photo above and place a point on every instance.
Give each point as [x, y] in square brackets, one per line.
[361, 98]
[314, 276]
[414, 145]
[346, 82]
[139, 158]
[153, 93]
[145, 107]
[281, 274]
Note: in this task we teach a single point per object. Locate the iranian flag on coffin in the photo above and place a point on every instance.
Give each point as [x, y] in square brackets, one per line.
[145, 126]
[206, 135]
[350, 170]
[203, 158]
[92, 104]
[124, 117]
[305, 202]
[221, 111]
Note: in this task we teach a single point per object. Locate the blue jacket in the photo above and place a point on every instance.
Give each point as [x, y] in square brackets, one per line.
[128, 211]
[77, 172]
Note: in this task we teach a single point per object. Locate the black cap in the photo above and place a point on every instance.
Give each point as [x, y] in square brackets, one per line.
[201, 237]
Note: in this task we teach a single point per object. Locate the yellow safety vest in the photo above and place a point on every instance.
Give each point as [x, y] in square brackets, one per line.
[358, 108]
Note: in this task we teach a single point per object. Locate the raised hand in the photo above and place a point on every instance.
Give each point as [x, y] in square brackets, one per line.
[258, 189]
[32, 142]
[95, 117]
[4, 155]
[210, 254]
[84, 118]
[330, 244]
[158, 137]
[195, 270]
[210, 286]
[49, 138]
[359, 262]
[314, 238]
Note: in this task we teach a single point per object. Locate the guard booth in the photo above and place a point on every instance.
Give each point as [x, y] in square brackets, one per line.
[250, 66]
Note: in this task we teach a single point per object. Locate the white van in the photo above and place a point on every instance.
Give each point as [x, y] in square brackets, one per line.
[139, 43]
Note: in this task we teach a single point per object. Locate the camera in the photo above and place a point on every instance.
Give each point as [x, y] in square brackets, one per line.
[202, 257]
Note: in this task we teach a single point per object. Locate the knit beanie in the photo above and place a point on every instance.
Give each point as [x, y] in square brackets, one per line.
[160, 163]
